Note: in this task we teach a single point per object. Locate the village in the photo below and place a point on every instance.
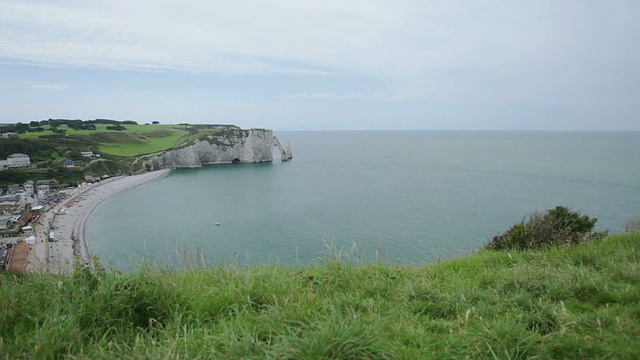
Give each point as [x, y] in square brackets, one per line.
[29, 219]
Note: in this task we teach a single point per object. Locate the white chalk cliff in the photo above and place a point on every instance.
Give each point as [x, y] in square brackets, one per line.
[245, 146]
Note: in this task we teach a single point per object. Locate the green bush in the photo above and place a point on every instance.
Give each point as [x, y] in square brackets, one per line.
[557, 227]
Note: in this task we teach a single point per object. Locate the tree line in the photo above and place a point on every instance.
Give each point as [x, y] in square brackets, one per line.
[37, 126]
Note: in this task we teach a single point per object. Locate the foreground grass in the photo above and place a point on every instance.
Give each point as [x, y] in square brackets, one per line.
[575, 302]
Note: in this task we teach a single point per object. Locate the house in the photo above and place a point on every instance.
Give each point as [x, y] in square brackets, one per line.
[9, 197]
[7, 207]
[13, 188]
[44, 187]
[53, 183]
[3, 164]
[69, 163]
[11, 226]
[88, 154]
[43, 190]
[9, 135]
[8, 203]
[28, 186]
[18, 161]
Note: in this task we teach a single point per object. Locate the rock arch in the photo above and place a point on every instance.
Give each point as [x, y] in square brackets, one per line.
[286, 154]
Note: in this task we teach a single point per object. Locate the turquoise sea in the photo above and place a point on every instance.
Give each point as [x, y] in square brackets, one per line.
[409, 197]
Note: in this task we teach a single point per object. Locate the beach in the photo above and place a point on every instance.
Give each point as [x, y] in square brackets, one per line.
[66, 224]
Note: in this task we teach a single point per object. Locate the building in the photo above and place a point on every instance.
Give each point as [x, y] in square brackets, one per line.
[10, 226]
[9, 197]
[43, 190]
[8, 207]
[69, 163]
[18, 161]
[3, 164]
[44, 187]
[28, 187]
[8, 203]
[53, 183]
[9, 135]
[13, 203]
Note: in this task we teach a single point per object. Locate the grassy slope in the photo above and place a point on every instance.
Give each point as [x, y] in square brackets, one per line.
[135, 140]
[151, 143]
[578, 302]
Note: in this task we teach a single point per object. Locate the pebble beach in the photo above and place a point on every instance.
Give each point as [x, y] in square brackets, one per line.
[67, 223]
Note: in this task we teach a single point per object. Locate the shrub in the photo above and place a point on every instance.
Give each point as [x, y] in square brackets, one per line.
[557, 227]
[116, 127]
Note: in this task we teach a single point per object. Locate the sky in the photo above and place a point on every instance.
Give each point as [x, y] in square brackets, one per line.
[325, 64]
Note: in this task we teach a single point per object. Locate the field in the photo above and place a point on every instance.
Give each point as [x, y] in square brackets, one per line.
[146, 142]
[574, 302]
[135, 140]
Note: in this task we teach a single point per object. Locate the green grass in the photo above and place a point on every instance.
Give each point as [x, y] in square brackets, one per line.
[131, 129]
[135, 140]
[574, 302]
[141, 146]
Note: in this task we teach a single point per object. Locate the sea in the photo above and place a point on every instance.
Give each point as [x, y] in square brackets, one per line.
[400, 197]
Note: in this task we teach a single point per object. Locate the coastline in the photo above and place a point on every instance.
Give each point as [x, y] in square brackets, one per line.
[70, 221]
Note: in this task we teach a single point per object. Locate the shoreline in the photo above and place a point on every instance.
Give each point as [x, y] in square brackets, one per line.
[71, 217]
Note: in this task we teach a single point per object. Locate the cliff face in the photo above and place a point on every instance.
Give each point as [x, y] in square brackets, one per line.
[247, 146]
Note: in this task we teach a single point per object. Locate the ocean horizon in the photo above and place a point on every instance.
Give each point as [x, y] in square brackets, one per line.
[408, 197]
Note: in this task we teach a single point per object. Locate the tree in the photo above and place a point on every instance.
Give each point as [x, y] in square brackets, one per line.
[116, 127]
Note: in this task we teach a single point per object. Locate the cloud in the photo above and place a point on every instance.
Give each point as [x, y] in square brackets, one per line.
[49, 86]
[370, 37]
[530, 53]
[344, 96]
[388, 39]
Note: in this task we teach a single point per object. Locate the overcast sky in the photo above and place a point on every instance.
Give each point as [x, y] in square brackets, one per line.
[325, 64]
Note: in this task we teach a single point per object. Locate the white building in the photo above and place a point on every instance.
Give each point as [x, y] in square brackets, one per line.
[7, 207]
[18, 161]
[28, 187]
[43, 190]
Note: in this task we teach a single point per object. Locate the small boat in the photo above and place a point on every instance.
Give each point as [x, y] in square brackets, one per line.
[217, 224]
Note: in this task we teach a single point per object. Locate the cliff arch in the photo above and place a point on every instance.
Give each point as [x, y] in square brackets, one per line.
[284, 154]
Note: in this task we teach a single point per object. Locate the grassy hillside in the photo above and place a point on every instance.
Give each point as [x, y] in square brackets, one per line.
[574, 302]
[134, 140]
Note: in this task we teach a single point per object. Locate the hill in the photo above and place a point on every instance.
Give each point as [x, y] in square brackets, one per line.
[572, 302]
[119, 144]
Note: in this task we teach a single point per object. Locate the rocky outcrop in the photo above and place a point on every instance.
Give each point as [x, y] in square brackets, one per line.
[244, 146]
